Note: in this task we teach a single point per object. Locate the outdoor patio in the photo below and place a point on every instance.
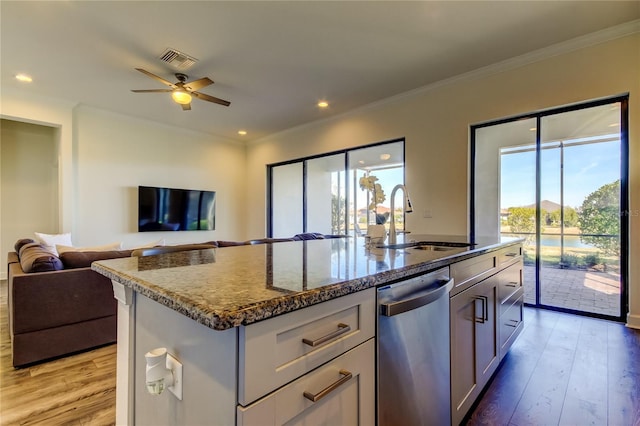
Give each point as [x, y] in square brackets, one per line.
[584, 290]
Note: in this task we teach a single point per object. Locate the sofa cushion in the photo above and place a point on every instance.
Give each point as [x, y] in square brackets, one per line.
[155, 243]
[152, 251]
[49, 241]
[84, 259]
[309, 236]
[222, 243]
[22, 242]
[36, 258]
[105, 247]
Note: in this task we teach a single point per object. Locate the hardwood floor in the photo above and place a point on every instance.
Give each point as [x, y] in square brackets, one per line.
[75, 390]
[566, 370]
[562, 370]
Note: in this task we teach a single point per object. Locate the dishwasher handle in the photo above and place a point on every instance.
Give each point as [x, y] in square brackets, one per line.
[417, 300]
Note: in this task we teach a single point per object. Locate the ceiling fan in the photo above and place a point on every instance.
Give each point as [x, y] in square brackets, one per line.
[182, 91]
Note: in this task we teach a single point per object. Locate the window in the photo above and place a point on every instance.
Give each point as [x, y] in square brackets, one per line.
[558, 179]
[322, 193]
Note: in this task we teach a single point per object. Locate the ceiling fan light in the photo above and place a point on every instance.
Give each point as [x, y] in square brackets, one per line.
[181, 97]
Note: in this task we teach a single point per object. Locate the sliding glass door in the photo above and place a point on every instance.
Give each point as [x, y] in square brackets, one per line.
[558, 180]
[322, 194]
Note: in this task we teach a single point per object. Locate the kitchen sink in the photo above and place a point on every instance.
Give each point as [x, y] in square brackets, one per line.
[428, 245]
[432, 248]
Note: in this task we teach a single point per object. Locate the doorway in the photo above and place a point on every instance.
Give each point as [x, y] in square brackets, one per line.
[28, 182]
[558, 179]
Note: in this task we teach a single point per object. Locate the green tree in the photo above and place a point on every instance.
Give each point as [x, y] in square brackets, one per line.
[599, 218]
[522, 220]
[338, 214]
[570, 217]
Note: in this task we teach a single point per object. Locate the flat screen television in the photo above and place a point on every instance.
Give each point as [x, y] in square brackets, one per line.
[169, 209]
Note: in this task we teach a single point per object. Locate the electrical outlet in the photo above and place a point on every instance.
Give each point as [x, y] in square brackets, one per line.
[426, 213]
[176, 366]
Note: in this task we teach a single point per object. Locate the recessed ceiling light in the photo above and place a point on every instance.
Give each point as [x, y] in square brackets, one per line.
[323, 104]
[24, 78]
[614, 124]
[385, 156]
[360, 161]
[242, 132]
[533, 129]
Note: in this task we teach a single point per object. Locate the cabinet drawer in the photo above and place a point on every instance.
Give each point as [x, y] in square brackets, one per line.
[509, 254]
[510, 280]
[470, 271]
[511, 322]
[276, 351]
[348, 400]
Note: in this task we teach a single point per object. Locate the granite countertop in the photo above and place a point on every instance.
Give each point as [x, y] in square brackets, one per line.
[232, 286]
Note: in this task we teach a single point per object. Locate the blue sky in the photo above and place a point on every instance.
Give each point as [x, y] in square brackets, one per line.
[388, 178]
[586, 168]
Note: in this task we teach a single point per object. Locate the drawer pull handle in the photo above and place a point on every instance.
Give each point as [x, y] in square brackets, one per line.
[514, 323]
[511, 254]
[485, 311]
[512, 284]
[346, 376]
[342, 329]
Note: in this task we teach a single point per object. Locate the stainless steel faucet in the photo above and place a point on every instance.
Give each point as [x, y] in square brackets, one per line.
[407, 209]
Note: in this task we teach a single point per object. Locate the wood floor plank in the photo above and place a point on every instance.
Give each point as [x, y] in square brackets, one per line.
[74, 390]
[624, 376]
[542, 400]
[601, 380]
[586, 399]
[501, 398]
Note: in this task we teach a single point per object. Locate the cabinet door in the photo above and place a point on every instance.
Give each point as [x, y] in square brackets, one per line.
[486, 337]
[343, 389]
[474, 344]
[463, 370]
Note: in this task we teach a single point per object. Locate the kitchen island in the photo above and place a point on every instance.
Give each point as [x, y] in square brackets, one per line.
[235, 316]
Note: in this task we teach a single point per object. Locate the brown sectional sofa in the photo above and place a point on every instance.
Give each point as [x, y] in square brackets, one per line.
[58, 311]
[59, 306]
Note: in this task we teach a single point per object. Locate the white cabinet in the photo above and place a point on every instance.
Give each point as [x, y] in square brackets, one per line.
[511, 298]
[474, 344]
[343, 390]
[325, 346]
[485, 319]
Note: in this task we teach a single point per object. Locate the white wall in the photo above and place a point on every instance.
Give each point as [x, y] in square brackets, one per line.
[104, 156]
[113, 154]
[49, 112]
[28, 173]
[436, 120]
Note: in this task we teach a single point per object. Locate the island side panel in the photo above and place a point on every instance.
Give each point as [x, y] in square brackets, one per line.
[209, 360]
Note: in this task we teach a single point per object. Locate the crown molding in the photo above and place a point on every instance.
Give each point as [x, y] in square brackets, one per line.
[568, 46]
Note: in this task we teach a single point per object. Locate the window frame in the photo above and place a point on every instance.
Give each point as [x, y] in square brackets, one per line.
[348, 187]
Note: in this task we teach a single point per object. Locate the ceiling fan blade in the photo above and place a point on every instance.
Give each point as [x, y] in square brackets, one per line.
[210, 98]
[198, 84]
[160, 79]
[186, 107]
[151, 90]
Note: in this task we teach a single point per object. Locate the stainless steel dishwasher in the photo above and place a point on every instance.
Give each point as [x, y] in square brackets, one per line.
[413, 351]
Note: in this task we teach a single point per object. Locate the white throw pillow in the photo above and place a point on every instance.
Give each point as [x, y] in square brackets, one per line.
[105, 247]
[49, 241]
[156, 243]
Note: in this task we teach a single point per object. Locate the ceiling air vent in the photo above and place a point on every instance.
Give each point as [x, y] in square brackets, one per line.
[177, 59]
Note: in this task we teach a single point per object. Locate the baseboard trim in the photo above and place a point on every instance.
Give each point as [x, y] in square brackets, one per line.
[633, 321]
